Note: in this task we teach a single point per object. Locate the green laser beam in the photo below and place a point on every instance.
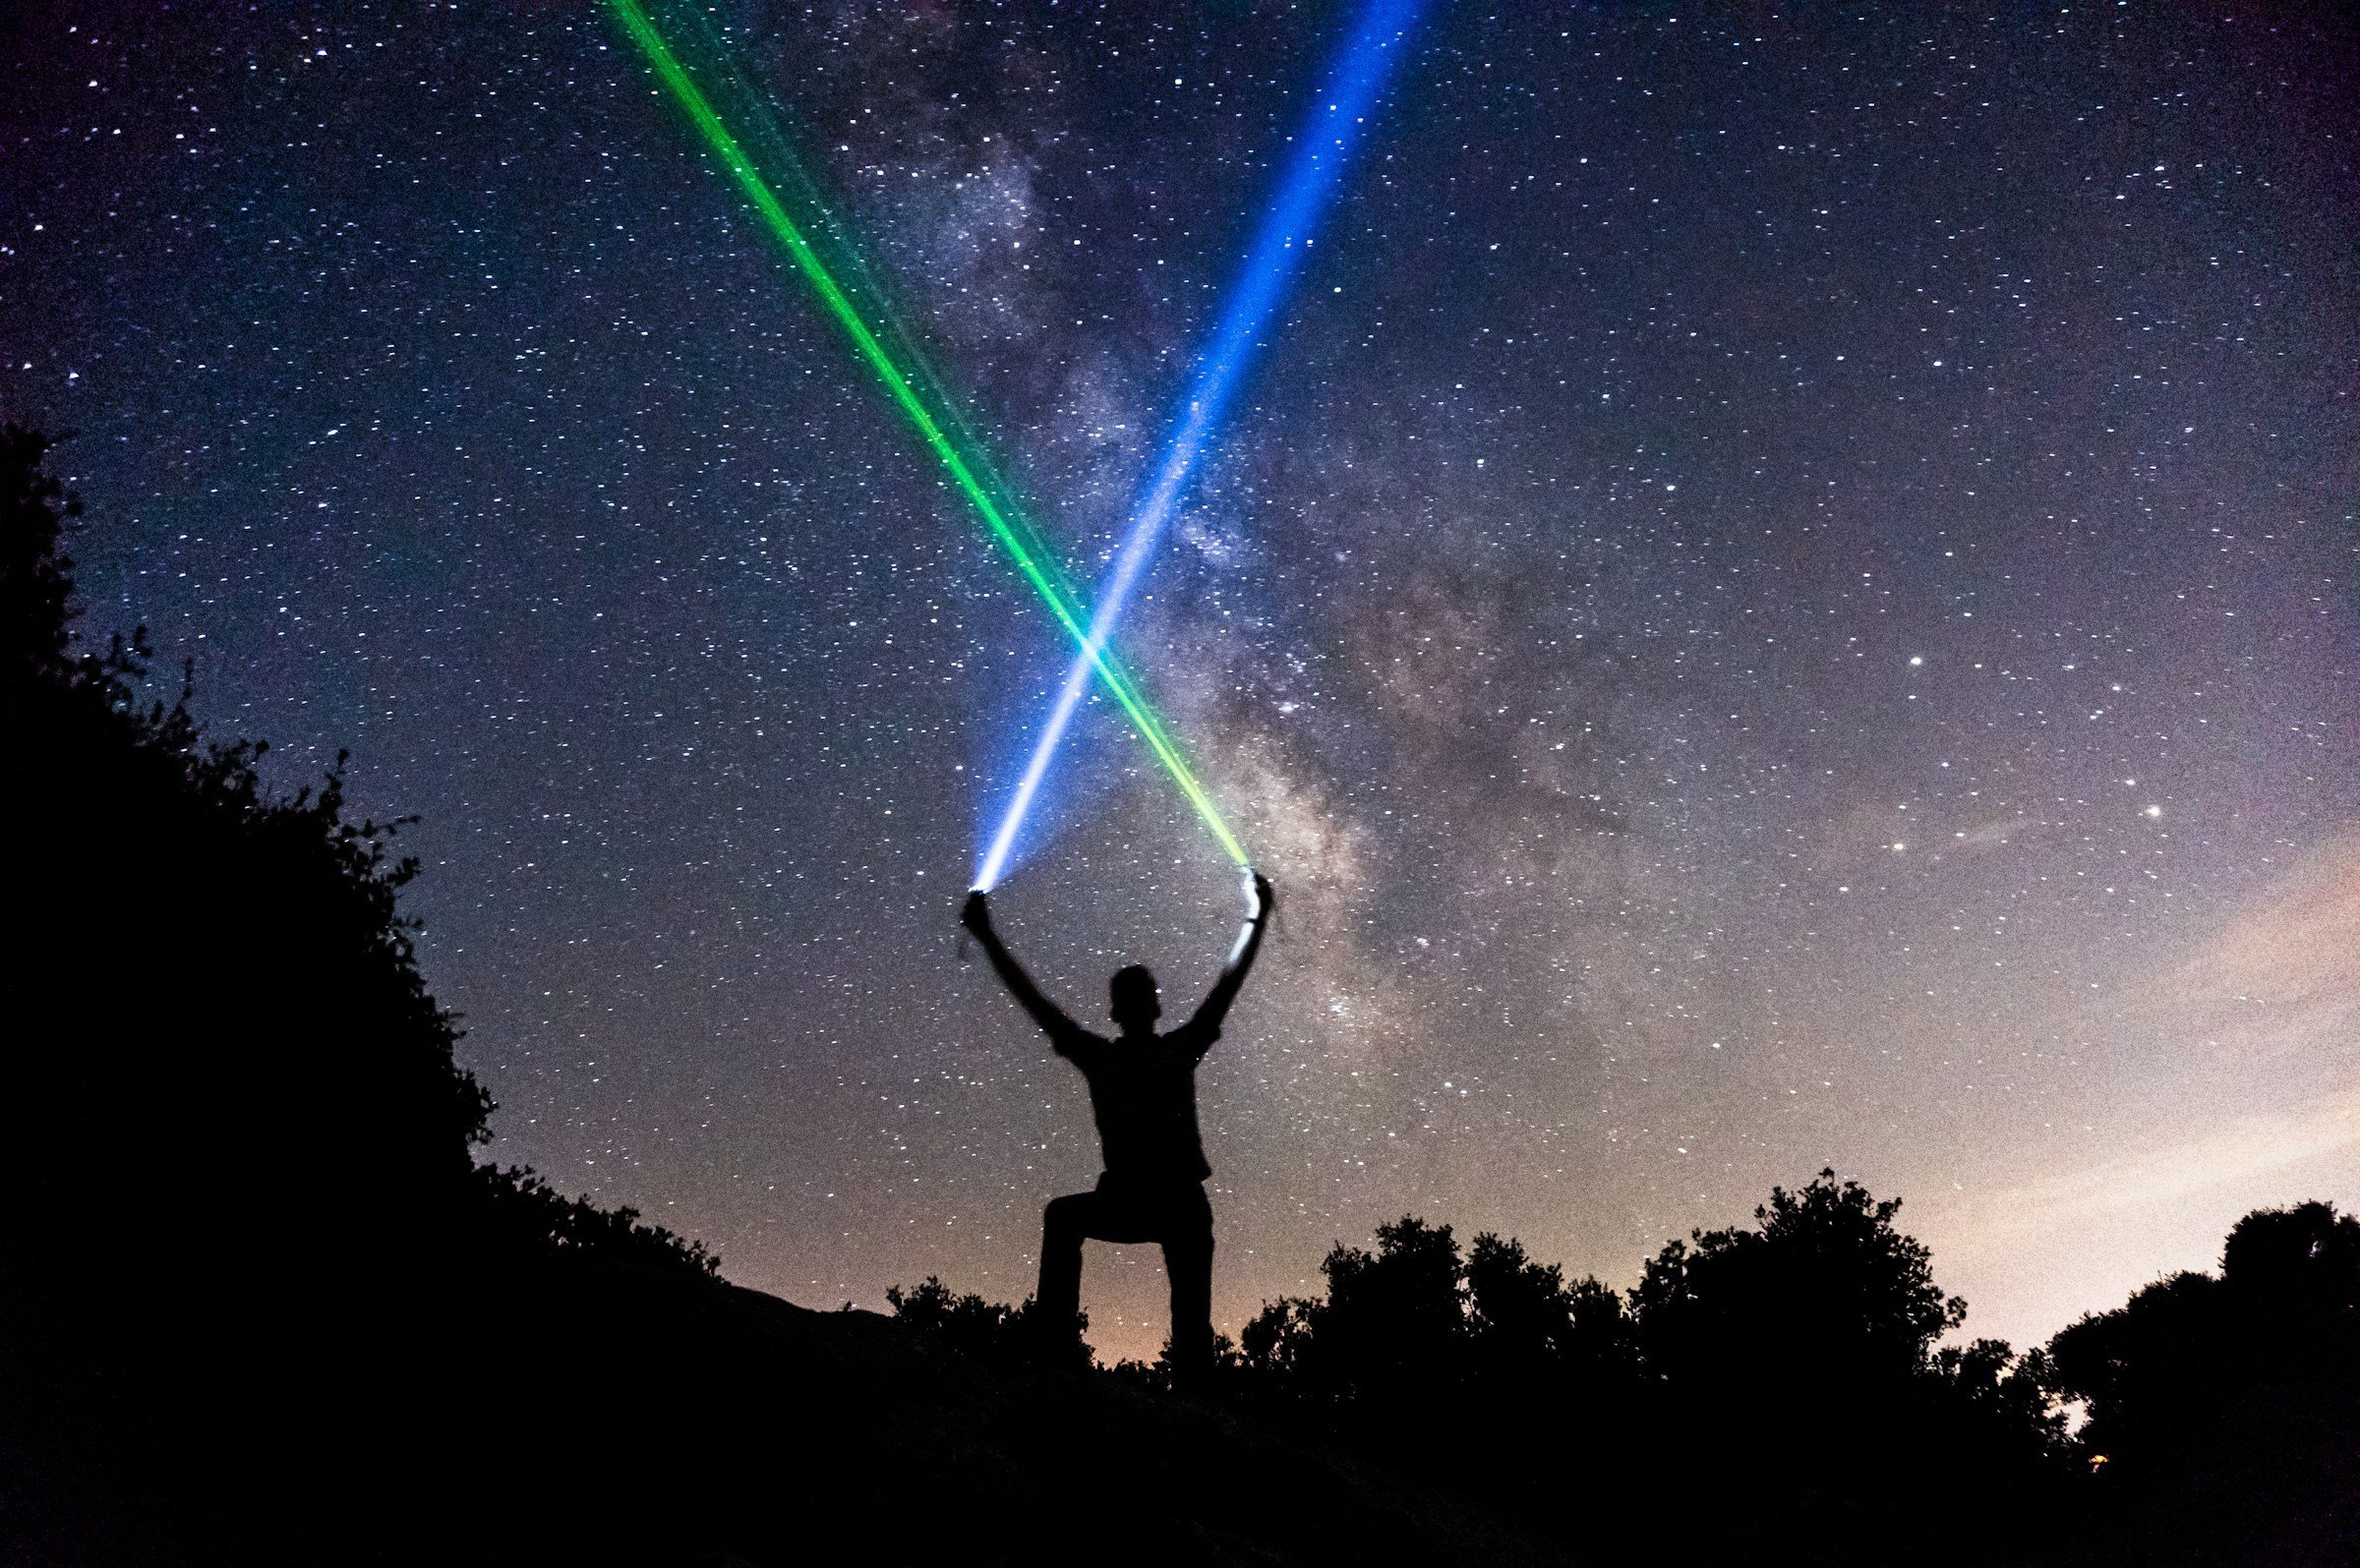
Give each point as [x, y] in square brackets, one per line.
[741, 105]
[1006, 525]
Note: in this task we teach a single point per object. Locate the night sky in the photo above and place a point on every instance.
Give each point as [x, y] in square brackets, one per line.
[1786, 594]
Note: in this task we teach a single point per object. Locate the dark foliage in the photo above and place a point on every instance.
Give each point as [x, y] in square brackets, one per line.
[522, 1216]
[1812, 1332]
[241, 991]
[246, 1227]
[1002, 1335]
[1840, 1295]
[2226, 1407]
[1394, 1326]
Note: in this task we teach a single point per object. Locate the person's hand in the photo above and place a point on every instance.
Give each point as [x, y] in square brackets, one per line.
[975, 914]
[1266, 897]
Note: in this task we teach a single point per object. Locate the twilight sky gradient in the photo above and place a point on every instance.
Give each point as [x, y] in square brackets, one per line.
[1787, 595]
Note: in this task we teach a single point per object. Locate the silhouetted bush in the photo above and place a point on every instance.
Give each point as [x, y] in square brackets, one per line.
[1813, 1333]
[242, 1030]
[522, 1215]
[248, 1026]
[248, 1241]
[1393, 1325]
[968, 1324]
[1824, 1282]
[2224, 1409]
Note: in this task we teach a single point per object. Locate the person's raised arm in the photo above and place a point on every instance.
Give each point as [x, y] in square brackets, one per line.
[1216, 1006]
[976, 917]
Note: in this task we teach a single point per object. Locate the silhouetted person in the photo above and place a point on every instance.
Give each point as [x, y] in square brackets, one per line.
[1143, 1092]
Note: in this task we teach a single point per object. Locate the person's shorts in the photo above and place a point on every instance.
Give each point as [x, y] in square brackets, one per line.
[1130, 1210]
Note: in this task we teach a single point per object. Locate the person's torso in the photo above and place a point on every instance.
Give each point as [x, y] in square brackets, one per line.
[1144, 1096]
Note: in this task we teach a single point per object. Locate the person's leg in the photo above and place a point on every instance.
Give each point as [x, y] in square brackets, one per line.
[1188, 1264]
[1064, 1225]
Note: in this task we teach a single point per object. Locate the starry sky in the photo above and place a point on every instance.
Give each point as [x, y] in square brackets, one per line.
[1787, 593]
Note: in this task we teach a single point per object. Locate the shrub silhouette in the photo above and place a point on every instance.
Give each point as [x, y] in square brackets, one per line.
[244, 995]
[986, 1330]
[1393, 1325]
[1813, 1332]
[522, 1216]
[1536, 1339]
[238, 1149]
[2227, 1407]
[1825, 1276]
[1822, 1305]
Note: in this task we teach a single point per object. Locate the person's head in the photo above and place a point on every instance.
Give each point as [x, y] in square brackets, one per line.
[1132, 999]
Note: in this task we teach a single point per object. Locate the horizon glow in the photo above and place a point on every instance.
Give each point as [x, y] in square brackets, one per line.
[968, 474]
[1325, 146]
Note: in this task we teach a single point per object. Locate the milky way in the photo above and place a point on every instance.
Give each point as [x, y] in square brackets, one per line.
[1785, 596]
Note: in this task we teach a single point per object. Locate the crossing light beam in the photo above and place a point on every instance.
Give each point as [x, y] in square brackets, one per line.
[1272, 261]
[913, 393]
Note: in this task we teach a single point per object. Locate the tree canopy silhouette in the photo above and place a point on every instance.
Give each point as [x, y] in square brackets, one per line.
[2227, 1407]
[238, 1151]
[1816, 1330]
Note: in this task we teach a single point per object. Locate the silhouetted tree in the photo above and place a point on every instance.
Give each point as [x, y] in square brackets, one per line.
[2003, 1406]
[523, 1217]
[2224, 1410]
[248, 1236]
[36, 577]
[1523, 1315]
[1816, 1331]
[1394, 1320]
[1519, 1312]
[987, 1330]
[1393, 1328]
[1823, 1292]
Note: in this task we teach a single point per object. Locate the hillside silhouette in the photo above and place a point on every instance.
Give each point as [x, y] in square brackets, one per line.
[259, 1301]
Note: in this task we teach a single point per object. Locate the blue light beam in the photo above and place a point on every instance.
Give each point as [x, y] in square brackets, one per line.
[1272, 262]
